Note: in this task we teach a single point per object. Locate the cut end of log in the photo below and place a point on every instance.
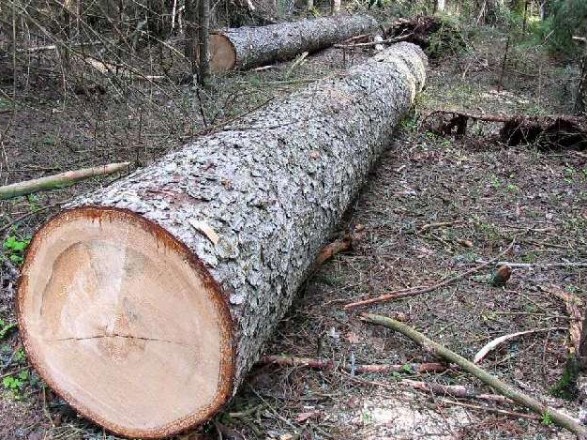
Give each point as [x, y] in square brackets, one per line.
[125, 323]
[222, 54]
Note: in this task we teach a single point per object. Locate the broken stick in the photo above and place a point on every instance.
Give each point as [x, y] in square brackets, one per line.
[328, 364]
[508, 391]
[58, 180]
[341, 245]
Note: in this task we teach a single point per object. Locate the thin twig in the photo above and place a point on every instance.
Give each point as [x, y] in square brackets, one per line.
[419, 290]
[25, 216]
[540, 265]
[491, 409]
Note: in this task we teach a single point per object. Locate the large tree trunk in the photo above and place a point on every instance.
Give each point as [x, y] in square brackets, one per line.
[145, 304]
[245, 47]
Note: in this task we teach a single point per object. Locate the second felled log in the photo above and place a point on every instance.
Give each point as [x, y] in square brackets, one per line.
[245, 47]
[145, 304]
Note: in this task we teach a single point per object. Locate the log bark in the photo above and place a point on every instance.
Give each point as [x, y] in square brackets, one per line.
[245, 47]
[145, 303]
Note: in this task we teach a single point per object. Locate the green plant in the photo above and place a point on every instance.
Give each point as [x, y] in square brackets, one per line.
[15, 248]
[19, 356]
[17, 382]
[5, 328]
[566, 387]
[546, 419]
[566, 19]
[407, 368]
[512, 188]
[5, 104]
[33, 200]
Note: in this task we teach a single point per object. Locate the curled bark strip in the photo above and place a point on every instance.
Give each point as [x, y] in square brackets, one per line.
[492, 345]
[342, 245]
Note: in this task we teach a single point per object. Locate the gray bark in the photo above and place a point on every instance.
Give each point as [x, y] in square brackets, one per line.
[204, 42]
[274, 185]
[254, 46]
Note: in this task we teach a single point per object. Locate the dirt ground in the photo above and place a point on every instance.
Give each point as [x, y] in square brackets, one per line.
[434, 207]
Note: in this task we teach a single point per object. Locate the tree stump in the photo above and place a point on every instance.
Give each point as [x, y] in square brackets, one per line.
[145, 303]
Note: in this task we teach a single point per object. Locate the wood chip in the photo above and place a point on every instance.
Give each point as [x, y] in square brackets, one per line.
[206, 230]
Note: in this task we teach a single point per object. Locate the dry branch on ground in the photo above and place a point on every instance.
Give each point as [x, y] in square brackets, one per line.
[506, 390]
[548, 132]
[419, 290]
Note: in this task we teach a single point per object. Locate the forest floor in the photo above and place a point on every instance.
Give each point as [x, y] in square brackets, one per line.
[433, 207]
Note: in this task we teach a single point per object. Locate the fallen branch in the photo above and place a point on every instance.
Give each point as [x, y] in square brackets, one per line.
[498, 341]
[506, 390]
[118, 69]
[460, 391]
[539, 265]
[327, 364]
[428, 226]
[373, 43]
[420, 290]
[58, 180]
[491, 409]
[549, 132]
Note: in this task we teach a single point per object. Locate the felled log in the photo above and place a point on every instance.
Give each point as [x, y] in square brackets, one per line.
[245, 47]
[145, 303]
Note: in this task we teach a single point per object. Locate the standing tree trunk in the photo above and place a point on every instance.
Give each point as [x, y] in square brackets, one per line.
[145, 304]
[204, 43]
[191, 33]
[246, 47]
[581, 99]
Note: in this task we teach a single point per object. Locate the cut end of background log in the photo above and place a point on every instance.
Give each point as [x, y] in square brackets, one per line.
[222, 53]
[117, 314]
[146, 303]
